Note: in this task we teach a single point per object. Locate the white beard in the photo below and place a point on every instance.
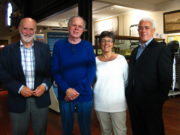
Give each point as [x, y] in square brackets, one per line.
[27, 38]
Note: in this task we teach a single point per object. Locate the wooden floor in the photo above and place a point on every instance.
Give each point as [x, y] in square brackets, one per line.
[171, 118]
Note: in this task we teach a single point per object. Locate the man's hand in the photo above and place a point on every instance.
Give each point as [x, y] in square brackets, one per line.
[71, 94]
[26, 92]
[66, 98]
[39, 91]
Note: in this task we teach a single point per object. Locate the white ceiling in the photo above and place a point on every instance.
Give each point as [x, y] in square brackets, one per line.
[107, 8]
[100, 10]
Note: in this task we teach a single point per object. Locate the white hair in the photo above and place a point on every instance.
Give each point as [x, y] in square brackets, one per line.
[148, 20]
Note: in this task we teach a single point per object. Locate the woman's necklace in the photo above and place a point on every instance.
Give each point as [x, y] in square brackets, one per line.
[108, 57]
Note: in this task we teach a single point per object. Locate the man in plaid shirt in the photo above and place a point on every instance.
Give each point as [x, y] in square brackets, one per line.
[25, 73]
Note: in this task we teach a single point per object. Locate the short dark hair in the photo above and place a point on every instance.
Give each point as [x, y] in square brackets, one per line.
[107, 34]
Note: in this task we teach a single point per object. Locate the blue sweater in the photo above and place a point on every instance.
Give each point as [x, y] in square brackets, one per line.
[73, 66]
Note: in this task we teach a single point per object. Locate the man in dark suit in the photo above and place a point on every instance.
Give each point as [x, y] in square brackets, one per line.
[25, 73]
[150, 71]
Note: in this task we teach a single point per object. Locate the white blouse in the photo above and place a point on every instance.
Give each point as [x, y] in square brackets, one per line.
[109, 90]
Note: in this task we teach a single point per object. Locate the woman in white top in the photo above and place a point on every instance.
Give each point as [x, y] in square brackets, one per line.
[109, 89]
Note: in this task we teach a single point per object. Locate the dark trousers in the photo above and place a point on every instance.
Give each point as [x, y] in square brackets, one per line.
[38, 117]
[146, 119]
[83, 109]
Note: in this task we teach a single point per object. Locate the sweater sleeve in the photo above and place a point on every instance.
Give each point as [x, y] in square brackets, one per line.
[87, 81]
[56, 69]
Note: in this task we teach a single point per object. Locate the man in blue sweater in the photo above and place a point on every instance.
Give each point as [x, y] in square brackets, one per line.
[73, 68]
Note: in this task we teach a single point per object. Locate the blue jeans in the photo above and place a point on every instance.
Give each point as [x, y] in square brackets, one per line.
[83, 110]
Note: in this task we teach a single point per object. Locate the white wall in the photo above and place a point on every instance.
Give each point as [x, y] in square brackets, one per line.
[133, 17]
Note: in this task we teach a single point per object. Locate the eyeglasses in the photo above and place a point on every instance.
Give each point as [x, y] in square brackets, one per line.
[106, 41]
[77, 26]
[144, 27]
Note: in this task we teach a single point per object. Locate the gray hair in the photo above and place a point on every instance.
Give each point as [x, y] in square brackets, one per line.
[148, 20]
[70, 20]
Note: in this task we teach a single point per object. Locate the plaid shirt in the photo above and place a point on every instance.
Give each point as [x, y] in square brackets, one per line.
[28, 64]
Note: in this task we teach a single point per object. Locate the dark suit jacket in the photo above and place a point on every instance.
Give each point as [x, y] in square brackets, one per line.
[12, 76]
[150, 75]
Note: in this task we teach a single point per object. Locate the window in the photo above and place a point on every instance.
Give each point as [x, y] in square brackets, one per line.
[8, 14]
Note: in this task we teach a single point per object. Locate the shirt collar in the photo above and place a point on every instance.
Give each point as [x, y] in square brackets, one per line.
[147, 43]
[22, 45]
